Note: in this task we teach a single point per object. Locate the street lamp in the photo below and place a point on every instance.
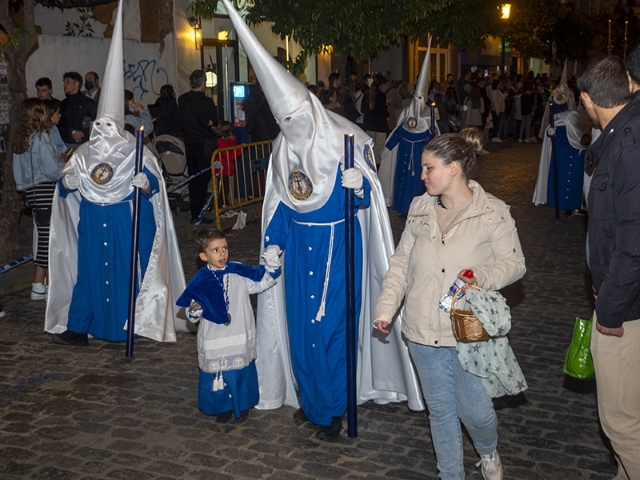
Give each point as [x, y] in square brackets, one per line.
[506, 11]
[196, 24]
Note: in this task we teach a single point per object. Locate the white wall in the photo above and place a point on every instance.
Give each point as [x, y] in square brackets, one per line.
[146, 70]
[52, 21]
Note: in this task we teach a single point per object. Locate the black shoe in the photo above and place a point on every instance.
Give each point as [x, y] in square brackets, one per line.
[299, 417]
[224, 417]
[244, 416]
[71, 338]
[330, 433]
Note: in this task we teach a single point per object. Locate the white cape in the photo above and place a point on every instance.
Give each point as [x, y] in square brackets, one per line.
[578, 123]
[385, 372]
[156, 309]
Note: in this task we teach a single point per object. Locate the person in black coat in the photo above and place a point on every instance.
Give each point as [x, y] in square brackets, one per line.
[165, 112]
[198, 116]
[375, 114]
[77, 110]
[260, 123]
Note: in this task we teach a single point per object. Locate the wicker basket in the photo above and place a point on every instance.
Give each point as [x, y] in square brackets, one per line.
[466, 327]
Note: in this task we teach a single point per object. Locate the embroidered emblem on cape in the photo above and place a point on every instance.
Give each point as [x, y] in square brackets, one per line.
[102, 173]
[299, 185]
[412, 123]
[368, 157]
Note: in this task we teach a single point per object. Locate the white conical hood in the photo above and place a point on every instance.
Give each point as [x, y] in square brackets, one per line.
[563, 93]
[416, 117]
[563, 76]
[306, 157]
[112, 97]
[284, 93]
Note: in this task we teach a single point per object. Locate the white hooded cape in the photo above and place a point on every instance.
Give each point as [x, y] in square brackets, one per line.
[312, 141]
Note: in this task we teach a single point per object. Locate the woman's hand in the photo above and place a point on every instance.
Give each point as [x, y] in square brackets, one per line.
[384, 327]
[470, 281]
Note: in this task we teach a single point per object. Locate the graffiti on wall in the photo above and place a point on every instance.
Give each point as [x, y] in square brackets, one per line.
[145, 77]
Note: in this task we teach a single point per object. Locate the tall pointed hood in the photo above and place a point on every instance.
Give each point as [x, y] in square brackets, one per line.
[112, 98]
[563, 93]
[416, 117]
[307, 154]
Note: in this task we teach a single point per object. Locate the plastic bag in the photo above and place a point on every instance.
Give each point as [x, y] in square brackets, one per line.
[241, 222]
[578, 362]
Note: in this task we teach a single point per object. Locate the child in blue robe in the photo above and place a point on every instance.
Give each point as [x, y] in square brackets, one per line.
[219, 296]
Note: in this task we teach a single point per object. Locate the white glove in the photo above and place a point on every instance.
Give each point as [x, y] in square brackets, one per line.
[352, 178]
[194, 312]
[70, 181]
[272, 258]
[141, 181]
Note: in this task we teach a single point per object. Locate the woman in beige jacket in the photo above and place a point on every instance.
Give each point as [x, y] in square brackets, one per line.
[455, 226]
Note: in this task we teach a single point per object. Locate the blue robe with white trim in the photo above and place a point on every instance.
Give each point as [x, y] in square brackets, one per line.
[100, 301]
[318, 348]
[407, 183]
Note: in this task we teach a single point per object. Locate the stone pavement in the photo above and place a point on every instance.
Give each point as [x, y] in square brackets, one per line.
[89, 413]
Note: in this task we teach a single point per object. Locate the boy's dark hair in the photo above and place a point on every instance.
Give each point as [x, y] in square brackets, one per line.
[605, 80]
[73, 76]
[206, 236]
[333, 78]
[44, 82]
[633, 62]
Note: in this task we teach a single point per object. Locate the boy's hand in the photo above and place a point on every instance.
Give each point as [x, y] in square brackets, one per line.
[194, 312]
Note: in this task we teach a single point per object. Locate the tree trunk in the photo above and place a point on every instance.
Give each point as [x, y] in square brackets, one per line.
[10, 199]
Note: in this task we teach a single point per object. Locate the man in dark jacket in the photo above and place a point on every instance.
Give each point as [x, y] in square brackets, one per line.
[77, 111]
[198, 115]
[614, 254]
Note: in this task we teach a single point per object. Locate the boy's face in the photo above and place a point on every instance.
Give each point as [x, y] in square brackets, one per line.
[216, 253]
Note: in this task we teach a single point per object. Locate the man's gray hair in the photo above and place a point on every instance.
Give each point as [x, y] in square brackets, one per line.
[197, 78]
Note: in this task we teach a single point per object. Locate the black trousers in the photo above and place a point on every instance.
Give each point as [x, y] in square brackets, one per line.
[196, 161]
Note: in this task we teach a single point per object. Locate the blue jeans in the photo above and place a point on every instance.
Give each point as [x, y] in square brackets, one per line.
[452, 393]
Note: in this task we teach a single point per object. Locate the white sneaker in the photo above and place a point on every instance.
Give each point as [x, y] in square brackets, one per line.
[496, 140]
[491, 466]
[38, 291]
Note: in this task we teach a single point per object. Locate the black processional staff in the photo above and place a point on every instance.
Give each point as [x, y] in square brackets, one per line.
[349, 229]
[554, 164]
[135, 241]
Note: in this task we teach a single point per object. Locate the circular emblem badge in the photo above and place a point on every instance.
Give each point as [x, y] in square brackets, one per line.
[300, 186]
[368, 157]
[412, 123]
[102, 173]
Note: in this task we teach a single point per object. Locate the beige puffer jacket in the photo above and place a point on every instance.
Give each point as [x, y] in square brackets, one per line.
[426, 263]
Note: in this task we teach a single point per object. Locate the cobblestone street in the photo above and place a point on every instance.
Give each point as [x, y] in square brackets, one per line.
[89, 413]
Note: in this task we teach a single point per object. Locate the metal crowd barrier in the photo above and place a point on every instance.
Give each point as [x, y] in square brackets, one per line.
[246, 185]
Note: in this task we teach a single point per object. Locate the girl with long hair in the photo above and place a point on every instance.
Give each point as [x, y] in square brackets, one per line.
[38, 156]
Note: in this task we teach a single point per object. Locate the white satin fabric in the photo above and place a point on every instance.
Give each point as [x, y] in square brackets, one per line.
[578, 123]
[156, 310]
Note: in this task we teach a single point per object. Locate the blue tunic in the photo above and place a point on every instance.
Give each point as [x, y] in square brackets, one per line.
[570, 162]
[407, 183]
[100, 301]
[318, 348]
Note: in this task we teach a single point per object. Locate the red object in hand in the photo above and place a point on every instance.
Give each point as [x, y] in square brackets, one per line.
[468, 274]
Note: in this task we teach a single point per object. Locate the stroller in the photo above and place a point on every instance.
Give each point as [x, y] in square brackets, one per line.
[171, 153]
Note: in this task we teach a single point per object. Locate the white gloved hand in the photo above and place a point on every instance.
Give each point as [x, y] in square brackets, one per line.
[141, 181]
[352, 178]
[194, 312]
[272, 257]
[70, 181]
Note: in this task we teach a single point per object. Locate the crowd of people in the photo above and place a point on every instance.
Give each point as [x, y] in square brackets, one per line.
[456, 232]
